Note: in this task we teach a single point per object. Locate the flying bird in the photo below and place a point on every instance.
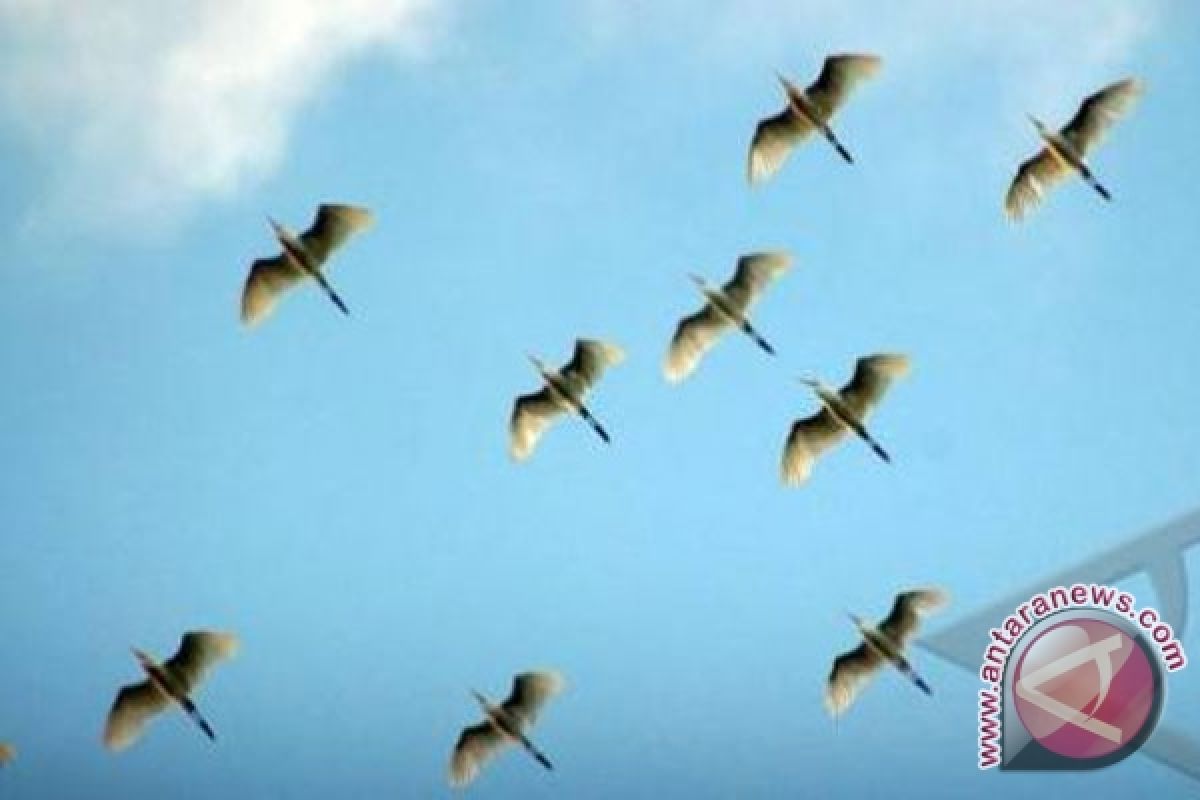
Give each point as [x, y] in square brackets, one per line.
[564, 390]
[504, 724]
[880, 645]
[808, 110]
[1065, 152]
[7, 753]
[303, 256]
[173, 681]
[842, 411]
[727, 307]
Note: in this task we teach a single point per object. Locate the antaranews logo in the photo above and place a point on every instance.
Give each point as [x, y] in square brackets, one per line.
[1074, 679]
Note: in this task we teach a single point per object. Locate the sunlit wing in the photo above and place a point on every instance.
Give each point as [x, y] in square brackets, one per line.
[1098, 112]
[333, 225]
[905, 616]
[754, 272]
[774, 139]
[851, 671]
[475, 746]
[135, 705]
[694, 337]
[1034, 178]
[531, 415]
[587, 365]
[530, 692]
[839, 76]
[807, 440]
[872, 377]
[268, 279]
[199, 651]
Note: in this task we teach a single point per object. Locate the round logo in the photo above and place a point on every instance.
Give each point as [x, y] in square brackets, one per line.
[1088, 690]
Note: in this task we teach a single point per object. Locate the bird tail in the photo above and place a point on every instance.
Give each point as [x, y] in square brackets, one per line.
[837, 145]
[758, 339]
[198, 718]
[595, 423]
[537, 754]
[329, 290]
[1090, 177]
[906, 668]
[876, 447]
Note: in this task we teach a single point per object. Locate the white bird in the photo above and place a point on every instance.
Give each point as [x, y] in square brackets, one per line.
[842, 411]
[881, 645]
[173, 681]
[7, 754]
[727, 307]
[303, 256]
[564, 390]
[808, 110]
[505, 724]
[1065, 152]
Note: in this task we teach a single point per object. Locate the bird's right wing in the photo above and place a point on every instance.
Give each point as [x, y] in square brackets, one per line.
[475, 746]
[588, 363]
[872, 376]
[198, 652]
[906, 612]
[774, 138]
[694, 337]
[754, 271]
[1034, 178]
[334, 224]
[268, 278]
[1098, 112]
[133, 708]
[532, 414]
[808, 439]
[850, 672]
[838, 77]
[530, 692]
[7, 753]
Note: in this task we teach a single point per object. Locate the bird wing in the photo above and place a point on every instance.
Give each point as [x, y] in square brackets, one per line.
[774, 138]
[268, 278]
[198, 652]
[872, 376]
[694, 337]
[334, 224]
[808, 439]
[1098, 112]
[1034, 177]
[901, 623]
[133, 708]
[850, 672]
[588, 363]
[7, 753]
[754, 271]
[532, 414]
[474, 747]
[838, 77]
[530, 692]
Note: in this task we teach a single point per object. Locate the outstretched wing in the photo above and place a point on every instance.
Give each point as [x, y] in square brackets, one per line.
[268, 278]
[754, 272]
[839, 76]
[808, 439]
[1098, 112]
[1034, 178]
[475, 746]
[872, 376]
[901, 623]
[588, 363]
[774, 138]
[135, 705]
[531, 415]
[198, 652]
[851, 670]
[334, 224]
[694, 337]
[530, 692]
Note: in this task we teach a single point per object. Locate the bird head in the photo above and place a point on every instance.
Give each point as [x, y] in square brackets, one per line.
[788, 87]
[858, 621]
[538, 364]
[281, 233]
[1037, 123]
[701, 284]
[479, 698]
[146, 661]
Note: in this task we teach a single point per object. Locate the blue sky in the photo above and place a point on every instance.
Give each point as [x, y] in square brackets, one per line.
[338, 491]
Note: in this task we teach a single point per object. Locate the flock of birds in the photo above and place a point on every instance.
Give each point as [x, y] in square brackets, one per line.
[304, 256]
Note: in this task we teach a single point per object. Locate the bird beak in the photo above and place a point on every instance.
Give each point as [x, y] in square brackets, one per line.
[1037, 123]
[811, 382]
[537, 364]
[696, 279]
[280, 233]
[787, 85]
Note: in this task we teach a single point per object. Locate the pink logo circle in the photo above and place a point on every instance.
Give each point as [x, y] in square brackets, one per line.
[1084, 689]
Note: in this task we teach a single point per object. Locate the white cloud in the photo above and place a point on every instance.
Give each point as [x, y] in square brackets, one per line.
[147, 106]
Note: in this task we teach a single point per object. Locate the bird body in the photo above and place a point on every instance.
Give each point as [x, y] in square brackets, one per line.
[8, 753]
[173, 681]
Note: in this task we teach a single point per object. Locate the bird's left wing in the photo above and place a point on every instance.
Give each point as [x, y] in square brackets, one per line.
[135, 705]
[902, 622]
[839, 76]
[198, 652]
[530, 692]
[850, 672]
[588, 363]
[268, 278]
[872, 377]
[754, 271]
[774, 138]
[1098, 112]
[334, 224]
[807, 440]
[1033, 179]
[532, 414]
[694, 336]
[474, 747]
